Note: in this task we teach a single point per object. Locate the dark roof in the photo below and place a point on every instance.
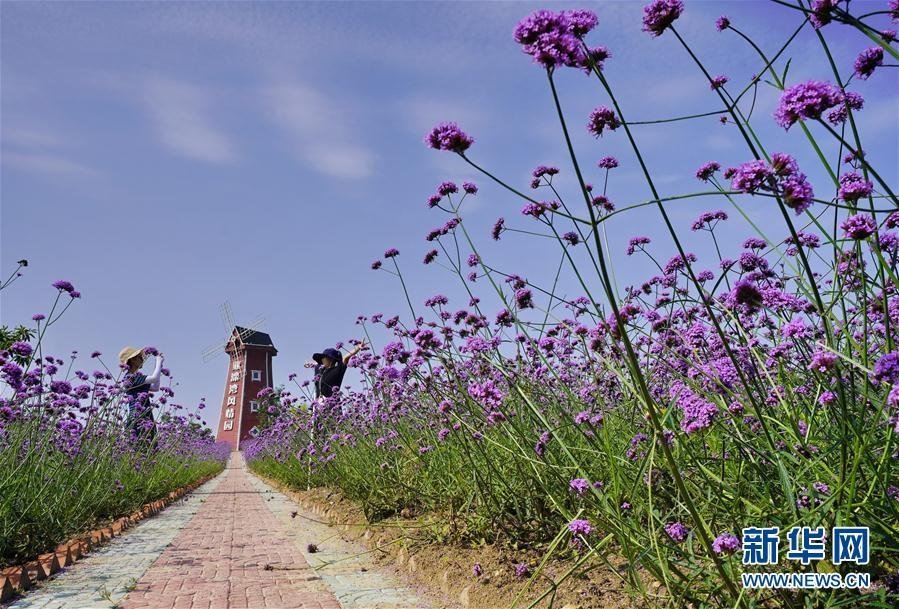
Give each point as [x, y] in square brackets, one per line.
[253, 337]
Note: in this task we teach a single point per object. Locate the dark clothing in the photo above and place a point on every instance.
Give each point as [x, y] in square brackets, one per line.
[140, 413]
[327, 379]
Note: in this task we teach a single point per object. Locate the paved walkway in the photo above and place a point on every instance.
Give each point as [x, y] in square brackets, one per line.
[231, 545]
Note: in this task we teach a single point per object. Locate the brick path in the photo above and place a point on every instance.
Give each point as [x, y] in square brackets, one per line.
[237, 548]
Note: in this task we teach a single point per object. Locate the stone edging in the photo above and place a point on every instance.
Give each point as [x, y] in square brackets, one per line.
[15, 580]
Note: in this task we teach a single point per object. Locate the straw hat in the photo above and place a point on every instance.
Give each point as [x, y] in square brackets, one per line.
[129, 352]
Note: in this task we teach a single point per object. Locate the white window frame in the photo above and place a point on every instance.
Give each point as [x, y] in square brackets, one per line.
[254, 406]
[254, 431]
[256, 375]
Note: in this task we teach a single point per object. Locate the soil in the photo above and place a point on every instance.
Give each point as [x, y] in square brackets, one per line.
[445, 570]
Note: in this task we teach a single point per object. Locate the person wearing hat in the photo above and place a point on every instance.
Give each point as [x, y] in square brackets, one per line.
[330, 368]
[138, 387]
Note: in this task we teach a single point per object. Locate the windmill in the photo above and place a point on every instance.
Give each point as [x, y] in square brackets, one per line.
[232, 331]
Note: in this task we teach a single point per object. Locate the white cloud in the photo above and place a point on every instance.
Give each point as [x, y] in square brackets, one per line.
[47, 164]
[319, 131]
[179, 112]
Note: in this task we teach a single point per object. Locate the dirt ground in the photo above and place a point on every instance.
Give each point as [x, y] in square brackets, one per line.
[445, 570]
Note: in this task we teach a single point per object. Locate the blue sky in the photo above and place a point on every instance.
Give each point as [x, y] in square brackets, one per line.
[166, 157]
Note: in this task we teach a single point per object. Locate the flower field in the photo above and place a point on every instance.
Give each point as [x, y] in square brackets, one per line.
[654, 417]
[66, 461]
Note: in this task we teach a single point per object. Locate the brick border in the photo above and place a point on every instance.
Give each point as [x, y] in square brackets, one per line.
[20, 578]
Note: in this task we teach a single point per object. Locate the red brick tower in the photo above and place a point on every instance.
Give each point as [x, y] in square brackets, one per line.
[249, 371]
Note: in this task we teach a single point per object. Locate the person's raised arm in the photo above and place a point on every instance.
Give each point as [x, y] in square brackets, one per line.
[154, 378]
[356, 349]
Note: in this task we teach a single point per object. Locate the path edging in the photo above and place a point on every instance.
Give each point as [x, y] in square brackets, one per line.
[18, 579]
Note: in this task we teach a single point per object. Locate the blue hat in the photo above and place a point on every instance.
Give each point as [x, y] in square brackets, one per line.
[332, 354]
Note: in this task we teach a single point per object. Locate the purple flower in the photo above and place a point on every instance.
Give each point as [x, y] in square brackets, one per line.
[608, 162]
[38, 316]
[477, 570]
[430, 257]
[822, 361]
[571, 237]
[447, 188]
[579, 527]
[726, 543]
[470, 187]
[523, 298]
[887, 369]
[448, 136]
[806, 100]
[392, 253]
[718, 82]
[433, 201]
[821, 488]
[706, 171]
[746, 293]
[851, 101]
[867, 61]
[853, 187]
[375, 265]
[498, 228]
[677, 531]
[888, 35]
[96, 354]
[636, 243]
[709, 219]
[821, 10]
[579, 486]
[660, 14]
[859, 226]
[522, 570]
[698, 413]
[602, 118]
[64, 286]
[751, 176]
[722, 23]
[553, 38]
[21, 348]
[894, 10]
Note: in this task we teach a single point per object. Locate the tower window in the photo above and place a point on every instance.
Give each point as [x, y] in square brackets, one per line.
[254, 431]
[257, 375]
[254, 406]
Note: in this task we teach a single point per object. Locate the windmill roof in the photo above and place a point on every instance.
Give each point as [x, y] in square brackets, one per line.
[254, 337]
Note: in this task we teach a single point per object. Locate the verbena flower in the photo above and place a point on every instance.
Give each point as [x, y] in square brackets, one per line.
[64, 286]
[859, 226]
[707, 170]
[608, 162]
[718, 82]
[677, 531]
[448, 136]
[498, 228]
[522, 570]
[602, 118]
[470, 187]
[376, 265]
[554, 38]
[867, 61]
[851, 101]
[447, 188]
[722, 23]
[579, 527]
[579, 486]
[708, 219]
[806, 100]
[392, 253]
[660, 14]
[853, 187]
[726, 543]
[477, 569]
[636, 243]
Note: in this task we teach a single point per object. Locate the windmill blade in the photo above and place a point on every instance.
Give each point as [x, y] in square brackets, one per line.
[213, 352]
[254, 325]
[227, 317]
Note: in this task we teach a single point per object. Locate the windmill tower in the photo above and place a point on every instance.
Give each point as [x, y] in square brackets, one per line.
[249, 371]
